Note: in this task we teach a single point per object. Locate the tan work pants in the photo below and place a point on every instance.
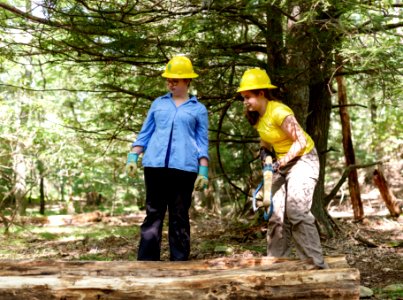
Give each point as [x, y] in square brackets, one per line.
[292, 190]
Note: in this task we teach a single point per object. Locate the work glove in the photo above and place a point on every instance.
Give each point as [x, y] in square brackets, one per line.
[202, 179]
[131, 164]
[264, 152]
[275, 166]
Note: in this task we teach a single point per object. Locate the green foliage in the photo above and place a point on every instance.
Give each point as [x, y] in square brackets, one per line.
[376, 125]
[95, 256]
[49, 236]
[394, 294]
[79, 76]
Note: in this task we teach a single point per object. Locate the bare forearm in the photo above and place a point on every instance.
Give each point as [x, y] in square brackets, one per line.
[296, 149]
[137, 149]
[203, 161]
[296, 134]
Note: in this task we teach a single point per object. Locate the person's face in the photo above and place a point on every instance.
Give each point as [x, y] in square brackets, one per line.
[178, 86]
[252, 101]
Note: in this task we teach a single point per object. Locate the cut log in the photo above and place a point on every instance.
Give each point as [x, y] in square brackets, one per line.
[240, 278]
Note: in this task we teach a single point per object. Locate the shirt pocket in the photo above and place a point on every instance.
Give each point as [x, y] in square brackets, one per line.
[188, 119]
[162, 117]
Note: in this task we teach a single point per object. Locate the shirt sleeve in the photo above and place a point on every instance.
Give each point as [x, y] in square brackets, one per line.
[281, 112]
[147, 129]
[202, 133]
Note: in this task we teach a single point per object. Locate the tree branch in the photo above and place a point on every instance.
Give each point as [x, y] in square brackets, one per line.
[28, 16]
[378, 28]
[343, 178]
[348, 105]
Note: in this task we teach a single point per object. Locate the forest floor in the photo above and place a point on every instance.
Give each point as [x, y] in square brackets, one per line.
[374, 246]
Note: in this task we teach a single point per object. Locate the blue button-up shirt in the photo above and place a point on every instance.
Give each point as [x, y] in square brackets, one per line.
[174, 137]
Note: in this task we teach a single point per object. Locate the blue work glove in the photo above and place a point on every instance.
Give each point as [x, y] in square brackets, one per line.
[131, 164]
[202, 179]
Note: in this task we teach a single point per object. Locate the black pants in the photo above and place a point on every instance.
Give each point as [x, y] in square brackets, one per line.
[172, 189]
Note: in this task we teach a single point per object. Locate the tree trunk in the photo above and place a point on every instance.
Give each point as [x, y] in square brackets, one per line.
[386, 194]
[274, 36]
[62, 185]
[19, 168]
[349, 155]
[318, 123]
[233, 278]
[42, 195]
[320, 106]
[298, 45]
[41, 171]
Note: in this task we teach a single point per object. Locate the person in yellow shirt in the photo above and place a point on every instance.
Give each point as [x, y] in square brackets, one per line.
[295, 167]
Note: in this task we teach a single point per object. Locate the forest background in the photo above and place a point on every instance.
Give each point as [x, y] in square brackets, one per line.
[77, 79]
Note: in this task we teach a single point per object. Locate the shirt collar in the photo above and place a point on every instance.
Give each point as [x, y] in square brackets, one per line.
[192, 98]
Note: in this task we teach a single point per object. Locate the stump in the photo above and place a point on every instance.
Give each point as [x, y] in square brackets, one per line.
[223, 278]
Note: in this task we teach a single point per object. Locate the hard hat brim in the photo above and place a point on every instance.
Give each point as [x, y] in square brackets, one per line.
[179, 76]
[255, 87]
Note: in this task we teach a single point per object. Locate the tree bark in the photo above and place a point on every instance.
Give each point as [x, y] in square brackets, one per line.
[274, 36]
[320, 107]
[318, 123]
[237, 278]
[159, 269]
[386, 194]
[298, 45]
[349, 154]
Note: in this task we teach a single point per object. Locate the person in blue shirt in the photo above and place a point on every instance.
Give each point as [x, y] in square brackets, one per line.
[174, 139]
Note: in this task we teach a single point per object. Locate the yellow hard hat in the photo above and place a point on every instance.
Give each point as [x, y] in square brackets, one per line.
[255, 79]
[179, 67]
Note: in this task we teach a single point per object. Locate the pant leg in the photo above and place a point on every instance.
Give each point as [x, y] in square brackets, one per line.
[301, 182]
[182, 183]
[279, 229]
[156, 205]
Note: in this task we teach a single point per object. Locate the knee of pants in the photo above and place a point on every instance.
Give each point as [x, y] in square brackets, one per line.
[296, 216]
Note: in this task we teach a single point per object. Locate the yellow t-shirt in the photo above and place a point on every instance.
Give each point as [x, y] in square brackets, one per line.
[269, 128]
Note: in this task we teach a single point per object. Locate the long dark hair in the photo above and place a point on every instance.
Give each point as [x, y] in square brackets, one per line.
[253, 116]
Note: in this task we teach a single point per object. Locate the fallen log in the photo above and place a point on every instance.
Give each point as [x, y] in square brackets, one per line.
[246, 278]
[76, 219]
[386, 193]
[157, 269]
[63, 220]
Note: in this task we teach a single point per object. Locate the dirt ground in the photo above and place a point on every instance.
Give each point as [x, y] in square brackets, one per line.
[374, 246]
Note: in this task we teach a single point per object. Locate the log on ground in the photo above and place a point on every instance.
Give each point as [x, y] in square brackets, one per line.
[245, 278]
